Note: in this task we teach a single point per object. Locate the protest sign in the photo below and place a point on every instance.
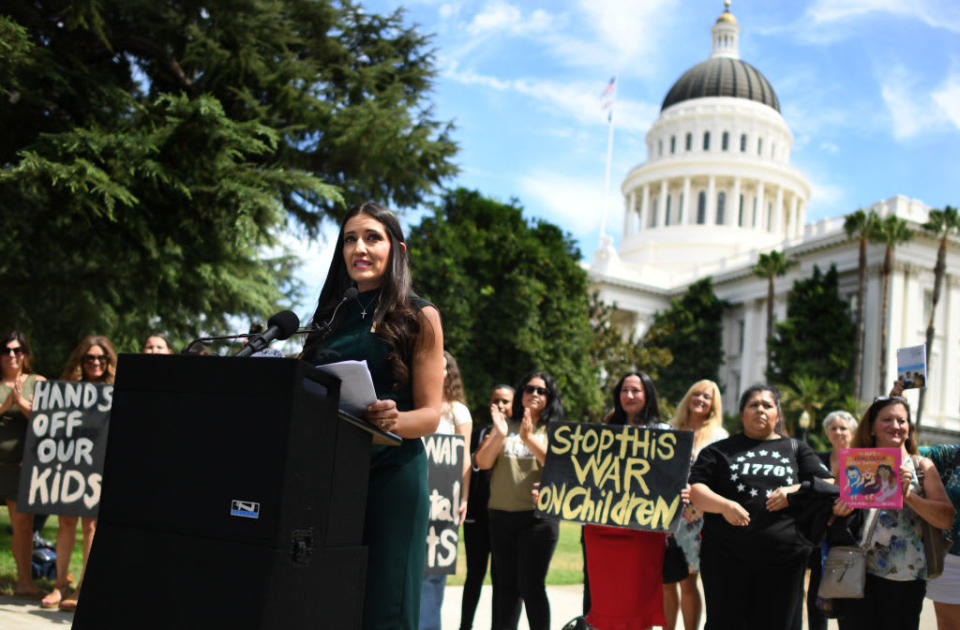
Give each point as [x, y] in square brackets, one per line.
[65, 447]
[871, 477]
[615, 475]
[445, 455]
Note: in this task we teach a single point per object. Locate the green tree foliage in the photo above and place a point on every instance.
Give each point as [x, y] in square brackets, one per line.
[153, 152]
[941, 223]
[615, 353]
[812, 350]
[860, 225]
[691, 329]
[512, 296]
[770, 266]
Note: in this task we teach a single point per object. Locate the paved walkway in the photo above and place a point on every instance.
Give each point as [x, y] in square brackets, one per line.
[565, 604]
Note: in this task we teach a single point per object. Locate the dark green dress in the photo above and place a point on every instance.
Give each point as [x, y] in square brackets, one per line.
[395, 528]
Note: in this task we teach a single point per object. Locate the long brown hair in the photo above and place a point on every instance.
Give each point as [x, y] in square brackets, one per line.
[452, 383]
[394, 320]
[26, 360]
[864, 437]
[74, 369]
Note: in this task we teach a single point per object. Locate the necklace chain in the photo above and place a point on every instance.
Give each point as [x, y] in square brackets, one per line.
[363, 309]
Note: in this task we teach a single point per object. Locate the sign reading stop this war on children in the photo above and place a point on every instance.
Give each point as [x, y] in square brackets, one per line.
[615, 475]
[65, 446]
[445, 455]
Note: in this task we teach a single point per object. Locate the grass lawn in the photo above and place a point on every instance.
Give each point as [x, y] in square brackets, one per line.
[566, 567]
[8, 569]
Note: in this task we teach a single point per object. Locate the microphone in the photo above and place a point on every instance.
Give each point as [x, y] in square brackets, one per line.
[280, 326]
[349, 294]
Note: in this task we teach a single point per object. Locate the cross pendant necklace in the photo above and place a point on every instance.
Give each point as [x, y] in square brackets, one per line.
[363, 309]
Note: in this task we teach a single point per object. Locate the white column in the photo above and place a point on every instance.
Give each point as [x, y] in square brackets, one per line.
[685, 210]
[761, 211]
[711, 201]
[629, 213]
[778, 213]
[662, 204]
[794, 217]
[644, 207]
[734, 203]
[949, 368]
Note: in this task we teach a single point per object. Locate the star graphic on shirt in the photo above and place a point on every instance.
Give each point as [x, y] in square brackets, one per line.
[763, 453]
[769, 492]
[784, 461]
[734, 477]
[740, 459]
[789, 480]
[740, 487]
[753, 492]
[734, 466]
[749, 453]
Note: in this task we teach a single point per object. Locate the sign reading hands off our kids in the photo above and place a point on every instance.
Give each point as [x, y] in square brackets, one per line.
[445, 455]
[615, 475]
[65, 447]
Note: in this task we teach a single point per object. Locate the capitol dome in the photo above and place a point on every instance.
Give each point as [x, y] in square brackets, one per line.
[722, 76]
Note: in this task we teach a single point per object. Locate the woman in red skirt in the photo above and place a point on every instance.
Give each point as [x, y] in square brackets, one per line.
[625, 566]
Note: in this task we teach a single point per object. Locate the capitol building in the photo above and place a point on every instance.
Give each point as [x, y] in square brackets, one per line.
[717, 189]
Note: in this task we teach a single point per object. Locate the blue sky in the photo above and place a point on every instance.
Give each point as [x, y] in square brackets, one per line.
[870, 89]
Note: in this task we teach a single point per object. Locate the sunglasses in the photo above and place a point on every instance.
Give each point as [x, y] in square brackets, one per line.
[95, 358]
[899, 399]
[531, 389]
[18, 351]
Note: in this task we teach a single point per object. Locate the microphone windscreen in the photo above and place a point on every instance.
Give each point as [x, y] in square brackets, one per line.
[286, 321]
[350, 293]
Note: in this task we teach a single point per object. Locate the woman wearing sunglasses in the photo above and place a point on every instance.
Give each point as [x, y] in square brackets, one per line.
[521, 543]
[93, 361]
[16, 399]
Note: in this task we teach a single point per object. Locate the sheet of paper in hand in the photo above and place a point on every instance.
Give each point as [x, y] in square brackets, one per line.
[615, 475]
[445, 455]
[870, 477]
[65, 448]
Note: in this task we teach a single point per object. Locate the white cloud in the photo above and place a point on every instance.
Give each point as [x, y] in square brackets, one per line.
[936, 13]
[579, 100]
[829, 147]
[947, 97]
[573, 202]
[504, 18]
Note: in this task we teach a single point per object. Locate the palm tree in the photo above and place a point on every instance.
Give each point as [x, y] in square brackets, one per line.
[892, 231]
[942, 223]
[860, 224]
[770, 266]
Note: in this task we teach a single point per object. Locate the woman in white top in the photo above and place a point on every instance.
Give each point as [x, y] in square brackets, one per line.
[454, 419]
[700, 411]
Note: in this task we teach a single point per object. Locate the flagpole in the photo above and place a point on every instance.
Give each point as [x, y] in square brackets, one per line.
[606, 179]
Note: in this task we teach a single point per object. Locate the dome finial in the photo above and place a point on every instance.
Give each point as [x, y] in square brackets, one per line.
[725, 34]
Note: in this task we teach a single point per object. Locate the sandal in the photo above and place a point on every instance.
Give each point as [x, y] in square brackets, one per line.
[70, 603]
[54, 597]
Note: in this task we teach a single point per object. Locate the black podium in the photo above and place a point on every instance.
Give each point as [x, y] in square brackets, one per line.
[233, 497]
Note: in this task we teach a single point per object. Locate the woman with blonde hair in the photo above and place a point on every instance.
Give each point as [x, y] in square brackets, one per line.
[701, 411]
[95, 361]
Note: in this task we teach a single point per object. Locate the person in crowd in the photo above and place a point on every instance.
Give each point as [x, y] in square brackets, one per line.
[896, 566]
[944, 590]
[701, 411]
[752, 560]
[95, 361]
[476, 525]
[16, 401]
[839, 426]
[625, 566]
[522, 544]
[157, 344]
[402, 342]
[454, 419]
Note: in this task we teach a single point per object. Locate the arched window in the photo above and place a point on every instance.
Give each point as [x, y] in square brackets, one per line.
[673, 144]
[689, 141]
[659, 148]
[706, 140]
[725, 141]
[652, 219]
[759, 146]
[740, 212]
[769, 216]
[721, 206]
[743, 143]
[701, 208]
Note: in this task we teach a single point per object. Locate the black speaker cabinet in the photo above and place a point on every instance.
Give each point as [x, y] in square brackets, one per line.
[233, 497]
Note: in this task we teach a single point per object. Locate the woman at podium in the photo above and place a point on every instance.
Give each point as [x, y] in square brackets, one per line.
[400, 337]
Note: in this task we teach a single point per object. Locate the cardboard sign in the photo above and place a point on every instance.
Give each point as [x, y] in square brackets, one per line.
[615, 475]
[445, 455]
[65, 447]
[870, 477]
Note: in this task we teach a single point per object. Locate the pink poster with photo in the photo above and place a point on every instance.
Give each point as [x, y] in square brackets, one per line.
[870, 477]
